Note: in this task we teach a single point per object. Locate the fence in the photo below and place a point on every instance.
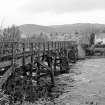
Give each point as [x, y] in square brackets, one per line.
[19, 54]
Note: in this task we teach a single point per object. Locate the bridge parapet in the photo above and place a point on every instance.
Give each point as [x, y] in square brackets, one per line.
[20, 54]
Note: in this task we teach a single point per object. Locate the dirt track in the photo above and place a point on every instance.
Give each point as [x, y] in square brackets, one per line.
[85, 85]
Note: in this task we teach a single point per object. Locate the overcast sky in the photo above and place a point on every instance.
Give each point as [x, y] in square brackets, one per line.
[51, 12]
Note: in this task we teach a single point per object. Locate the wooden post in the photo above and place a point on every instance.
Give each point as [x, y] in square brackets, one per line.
[52, 74]
[31, 45]
[67, 48]
[51, 70]
[60, 55]
[55, 46]
[58, 46]
[38, 61]
[35, 47]
[43, 51]
[48, 47]
[38, 51]
[23, 60]
[2, 48]
[44, 47]
[13, 56]
[55, 58]
[52, 45]
[50, 65]
[32, 52]
[63, 45]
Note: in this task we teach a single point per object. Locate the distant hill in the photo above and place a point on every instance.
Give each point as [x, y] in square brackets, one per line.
[31, 29]
[80, 27]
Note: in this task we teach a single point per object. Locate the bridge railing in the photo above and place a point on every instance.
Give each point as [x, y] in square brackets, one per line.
[13, 54]
[11, 51]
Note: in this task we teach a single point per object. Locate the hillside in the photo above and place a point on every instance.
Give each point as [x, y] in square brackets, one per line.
[57, 32]
[79, 27]
[30, 29]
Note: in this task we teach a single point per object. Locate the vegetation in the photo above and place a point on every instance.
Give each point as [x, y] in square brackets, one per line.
[11, 34]
[92, 39]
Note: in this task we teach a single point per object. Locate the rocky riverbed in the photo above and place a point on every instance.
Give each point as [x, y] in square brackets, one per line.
[84, 85]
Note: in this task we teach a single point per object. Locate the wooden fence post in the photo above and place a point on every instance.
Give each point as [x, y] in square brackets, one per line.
[38, 51]
[32, 53]
[2, 48]
[38, 61]
[13, 55]
[55, 46]
[44, 47]
[43, 50]
[35, 48]
[55, 58]
[48, 47]
[58, 46]
[63, 45]
[50, 65]
[52, 45]
[23, 60]
[60, 54]
[52, 74]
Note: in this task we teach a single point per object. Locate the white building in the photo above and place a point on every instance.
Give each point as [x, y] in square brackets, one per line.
[100, 38]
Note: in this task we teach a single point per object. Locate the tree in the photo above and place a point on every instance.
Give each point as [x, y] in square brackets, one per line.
[42, 37]
[11, 34]
[92, 39]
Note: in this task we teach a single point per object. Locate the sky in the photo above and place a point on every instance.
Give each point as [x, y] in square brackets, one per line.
[51, 12]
